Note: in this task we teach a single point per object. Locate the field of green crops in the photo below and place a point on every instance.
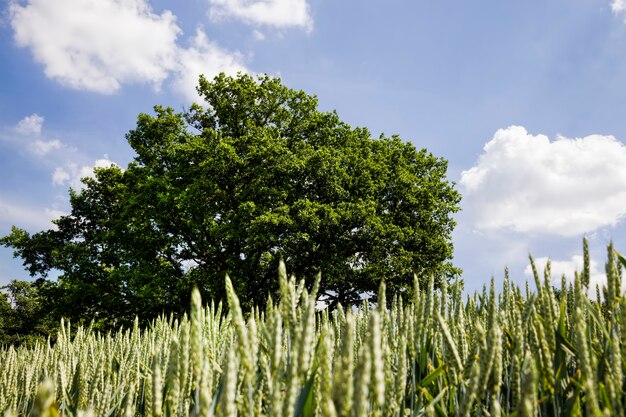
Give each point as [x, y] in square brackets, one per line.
[503, 352]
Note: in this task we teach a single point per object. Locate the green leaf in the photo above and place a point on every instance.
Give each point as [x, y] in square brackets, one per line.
[435, 401]
[216, 398]
[432, 376]
[304, 403]
[564, 343]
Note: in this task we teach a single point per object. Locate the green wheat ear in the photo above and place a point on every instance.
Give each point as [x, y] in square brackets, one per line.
[441, 352]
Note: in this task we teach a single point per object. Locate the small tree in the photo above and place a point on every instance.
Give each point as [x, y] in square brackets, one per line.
[22, 317]
[257, 174]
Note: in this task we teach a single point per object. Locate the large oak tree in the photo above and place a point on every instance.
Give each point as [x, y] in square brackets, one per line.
[257, 173]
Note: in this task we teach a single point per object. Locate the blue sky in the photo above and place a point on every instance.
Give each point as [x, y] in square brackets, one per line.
[526, 100]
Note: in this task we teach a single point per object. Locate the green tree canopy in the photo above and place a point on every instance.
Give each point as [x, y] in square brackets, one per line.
[257, 173]
[22, 314]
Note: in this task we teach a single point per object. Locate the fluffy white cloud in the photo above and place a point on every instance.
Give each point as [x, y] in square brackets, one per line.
[568, 268]
[30, 124]
[30, 128]
[277, 13]
[71, 174]
[97, 44]
[526, 183]
[203, 57]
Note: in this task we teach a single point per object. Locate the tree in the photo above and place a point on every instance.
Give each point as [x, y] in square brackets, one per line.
[257, 174]
[22, 318]
[5, 313]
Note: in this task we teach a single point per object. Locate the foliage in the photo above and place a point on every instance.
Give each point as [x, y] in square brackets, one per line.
[5, 311]
[496, 354]
[258, 174]
[22, 314]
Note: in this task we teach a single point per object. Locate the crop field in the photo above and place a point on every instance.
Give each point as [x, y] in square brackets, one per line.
[503, 352]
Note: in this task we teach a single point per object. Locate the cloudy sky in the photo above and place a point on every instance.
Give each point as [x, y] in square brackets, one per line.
[526, 100]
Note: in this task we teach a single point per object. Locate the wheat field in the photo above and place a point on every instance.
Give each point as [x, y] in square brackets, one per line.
[507, 352]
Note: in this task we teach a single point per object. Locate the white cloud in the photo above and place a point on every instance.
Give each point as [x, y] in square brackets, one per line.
[71, 174]
[569, 268]
[30, 128]
[54, 213]
[618, 6]
[277, 13]
[203, 57]
[97, 45]
[258, 35]
[529, 184]
[42, 147]
[30, 124]
[60, 176]
[24, 215]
